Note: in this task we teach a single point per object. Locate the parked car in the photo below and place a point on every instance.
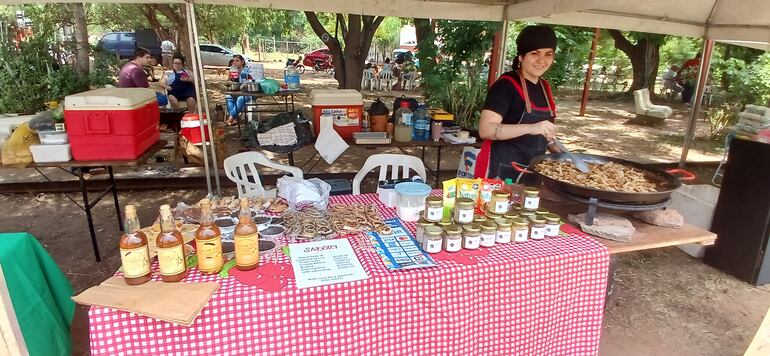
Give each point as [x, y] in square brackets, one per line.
[322, 55]
[216, 55]
[123, 44]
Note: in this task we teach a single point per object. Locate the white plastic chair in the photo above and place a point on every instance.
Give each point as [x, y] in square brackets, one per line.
[645, 107]
[387, 161]
[409, 80]
[240, 166]
[368, 79]
[386, 78]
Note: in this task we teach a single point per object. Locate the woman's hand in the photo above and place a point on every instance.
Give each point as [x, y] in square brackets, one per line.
[545, 128]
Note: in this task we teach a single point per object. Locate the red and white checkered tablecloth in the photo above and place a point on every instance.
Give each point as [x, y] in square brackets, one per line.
[538, 298]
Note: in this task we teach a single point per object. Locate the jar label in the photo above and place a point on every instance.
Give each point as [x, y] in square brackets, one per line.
[552, 230]
[136, 261]
[465, 216]
[503, 237]
[472, 242]
[171, 260]
[209, 254]
[246, 249]
[434, 213]
[520, 235]
[487, 240]
[453, 245]
[538, 233]
[531, 203]
[501, 207]
[432, 246]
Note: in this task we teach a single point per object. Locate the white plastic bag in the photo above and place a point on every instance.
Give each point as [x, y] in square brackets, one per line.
[300, 193]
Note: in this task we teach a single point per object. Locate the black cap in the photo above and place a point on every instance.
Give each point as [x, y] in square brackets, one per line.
[532, 38]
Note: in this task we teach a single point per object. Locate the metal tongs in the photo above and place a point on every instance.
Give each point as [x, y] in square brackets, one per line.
[578, 162]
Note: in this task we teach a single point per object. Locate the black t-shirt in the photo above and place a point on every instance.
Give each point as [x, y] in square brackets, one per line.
[504, 99]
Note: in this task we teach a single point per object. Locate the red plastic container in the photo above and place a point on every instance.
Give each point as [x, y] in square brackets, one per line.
[345, 106]
[190, 128]
[111, 123]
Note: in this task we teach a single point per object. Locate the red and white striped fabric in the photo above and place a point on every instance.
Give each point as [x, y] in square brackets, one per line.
[537, 298]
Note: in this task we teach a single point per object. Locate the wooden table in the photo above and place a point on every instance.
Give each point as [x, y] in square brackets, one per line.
[75, 168]
[646, 237]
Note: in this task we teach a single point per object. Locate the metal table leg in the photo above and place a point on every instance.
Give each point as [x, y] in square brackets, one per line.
[115, 198]
[291, 158]
[437, 185]
[87, 209]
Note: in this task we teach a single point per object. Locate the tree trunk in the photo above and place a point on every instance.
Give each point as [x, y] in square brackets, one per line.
[174, 13]
[357, 35]
[82, 49]
[245, 46]
[644, 56]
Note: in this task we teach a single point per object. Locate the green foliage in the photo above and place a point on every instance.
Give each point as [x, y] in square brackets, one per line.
[721, 117]
[677, 50]
[387, 35]
[455, 82]
[573, 49]
[31, 76]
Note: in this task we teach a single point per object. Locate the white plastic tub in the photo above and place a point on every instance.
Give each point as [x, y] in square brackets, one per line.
[50, 153]
[53, 137]
[696, 203]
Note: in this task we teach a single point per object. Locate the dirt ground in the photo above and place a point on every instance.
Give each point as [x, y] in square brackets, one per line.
[664, 303]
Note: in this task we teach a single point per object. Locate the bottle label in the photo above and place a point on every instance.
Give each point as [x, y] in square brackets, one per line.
[453, 245]
[472, 242]
[487, 240]
[464, 216]
[552, 230]
[136, 261]
[531, 203]
[406, 119]
[520, 235]
[503, 237]
[537, 233]
[501, 207]
[171, 260]
[434, 213]
[209, 254]
[246, 250]
[432, 246]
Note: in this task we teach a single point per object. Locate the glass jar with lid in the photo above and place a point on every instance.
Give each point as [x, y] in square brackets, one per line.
[531, 199]
[492, 216]
[488, 233]
[503, 235]
[526, 214]
[434, 208]
[464, 210]
[453, 238]
[511, 215]
[419, 232]
[537, 232]
[433, 239]
[478, 219]
[552, 225]
[500, 202]
[520, 230]
[541, 211]
[471, 236]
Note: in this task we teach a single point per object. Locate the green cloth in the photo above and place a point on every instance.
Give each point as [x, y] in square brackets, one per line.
[40, 294]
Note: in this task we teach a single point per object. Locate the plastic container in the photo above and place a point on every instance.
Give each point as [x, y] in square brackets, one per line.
[50, 153]
[111, 123]
[291, 77]
[190, 128]
[53, 137]
[410, 201]
[345, 106]
[421, 124]
[403, 115]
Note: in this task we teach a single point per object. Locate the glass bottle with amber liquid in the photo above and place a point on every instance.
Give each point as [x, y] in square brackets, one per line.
[170, 243]
[208, 241]
[246, 239]
[134, 252]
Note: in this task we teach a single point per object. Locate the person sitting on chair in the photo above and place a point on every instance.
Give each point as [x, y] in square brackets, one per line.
[180, 84]
[236, 105]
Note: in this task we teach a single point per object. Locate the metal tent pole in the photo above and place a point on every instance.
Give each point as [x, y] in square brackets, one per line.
[199, 74]
[700, 86]
[202, 77]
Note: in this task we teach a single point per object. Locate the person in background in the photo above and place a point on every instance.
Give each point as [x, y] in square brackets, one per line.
[180, 84]
[387, 67]
[517, 120]
[167, 53]
[669, 82]
[132, 74]
[687, 76]
[235, 105]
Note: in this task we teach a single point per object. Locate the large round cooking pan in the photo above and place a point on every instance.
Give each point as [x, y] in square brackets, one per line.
[665, 181]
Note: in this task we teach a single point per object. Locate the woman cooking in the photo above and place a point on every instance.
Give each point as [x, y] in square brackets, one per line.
[517, 118]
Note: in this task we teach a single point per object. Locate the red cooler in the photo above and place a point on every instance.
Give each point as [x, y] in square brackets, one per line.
[191, 128]
[111, 123]
[345, 106]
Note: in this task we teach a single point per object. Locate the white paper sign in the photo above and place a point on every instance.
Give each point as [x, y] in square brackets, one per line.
[329, 143]
[325, 262]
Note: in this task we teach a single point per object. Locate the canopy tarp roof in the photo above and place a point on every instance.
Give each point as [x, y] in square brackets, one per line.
[745, 22]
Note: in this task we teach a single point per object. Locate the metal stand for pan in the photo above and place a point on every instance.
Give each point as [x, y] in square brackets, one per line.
[594, 204]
